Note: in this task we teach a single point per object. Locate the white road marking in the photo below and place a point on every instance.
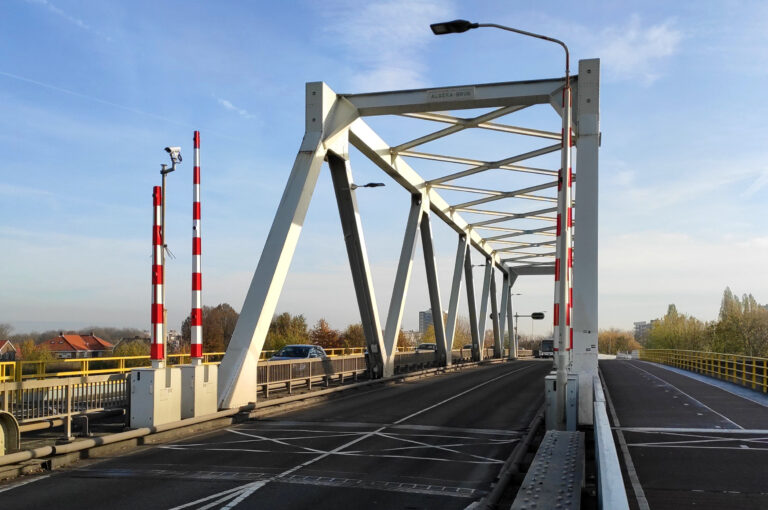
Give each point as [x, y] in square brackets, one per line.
[249, 488]
[684, 393]
[25, 482]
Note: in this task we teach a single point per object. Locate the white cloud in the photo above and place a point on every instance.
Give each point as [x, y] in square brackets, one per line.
[642, 272]
[634, 50]
[232, 108]
[758, 184]
[68, 17]
[385, 39]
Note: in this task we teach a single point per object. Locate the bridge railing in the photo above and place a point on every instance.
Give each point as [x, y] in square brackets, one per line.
[82, 367]
[748, 371]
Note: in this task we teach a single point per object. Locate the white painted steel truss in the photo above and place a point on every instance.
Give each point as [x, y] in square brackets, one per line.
[503, 235]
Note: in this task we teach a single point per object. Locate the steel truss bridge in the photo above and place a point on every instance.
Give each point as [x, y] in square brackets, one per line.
[513, 239]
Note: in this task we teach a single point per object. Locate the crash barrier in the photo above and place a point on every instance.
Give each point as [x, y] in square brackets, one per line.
[748, 371]
[610, 484]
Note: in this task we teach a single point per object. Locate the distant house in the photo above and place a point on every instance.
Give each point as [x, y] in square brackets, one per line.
[78, 346]
[7, 351]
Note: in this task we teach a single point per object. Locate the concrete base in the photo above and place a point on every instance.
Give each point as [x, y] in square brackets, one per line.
[155, 396]
[199, 385]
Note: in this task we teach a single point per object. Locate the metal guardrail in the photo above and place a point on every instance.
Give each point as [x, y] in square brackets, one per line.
[64, 394]
[84, 367]
[611, 494]
[748, 371]
[63, 398]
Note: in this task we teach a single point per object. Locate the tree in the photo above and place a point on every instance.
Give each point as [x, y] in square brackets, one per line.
[5, 330]
[135, 347]
[354, 336]
[218, 325]
[611, 341]
[462, 334]
[325, 336]
[33, 352]
[428, 337]
[678, 331]
[286, 329]
[742, 327]
[402, 342]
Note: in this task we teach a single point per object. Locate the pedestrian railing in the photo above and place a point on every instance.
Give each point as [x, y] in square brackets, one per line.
[7, 371]
[83, 386]
[290, 373]
[748, 371]
[81, 367]
[45, 399]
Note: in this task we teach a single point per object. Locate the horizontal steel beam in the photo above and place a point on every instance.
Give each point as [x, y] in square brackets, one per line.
[497, 164]
[532, 270]
[475, 162]
[508, 194]
[533, 215]
[458, 98]
[448, 119]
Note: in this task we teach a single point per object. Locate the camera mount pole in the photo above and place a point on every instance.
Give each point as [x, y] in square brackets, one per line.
[164, 170]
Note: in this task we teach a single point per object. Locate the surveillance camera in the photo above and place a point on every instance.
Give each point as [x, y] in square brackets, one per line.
[175, 153]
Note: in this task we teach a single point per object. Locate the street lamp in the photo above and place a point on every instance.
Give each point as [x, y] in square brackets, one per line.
[562, 304]
[369, 185]
[175, 155]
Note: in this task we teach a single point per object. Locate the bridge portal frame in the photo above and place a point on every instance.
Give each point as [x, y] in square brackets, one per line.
[333, 122]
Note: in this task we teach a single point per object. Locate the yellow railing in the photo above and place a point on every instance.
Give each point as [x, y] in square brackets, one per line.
[22, 370]
[7, 371]
[745, 370]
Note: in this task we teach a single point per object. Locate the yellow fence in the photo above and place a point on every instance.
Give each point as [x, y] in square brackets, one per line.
[745, 370]
[7, 371]
[22, 370]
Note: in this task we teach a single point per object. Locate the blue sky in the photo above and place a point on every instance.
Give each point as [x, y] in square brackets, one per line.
[92, 91]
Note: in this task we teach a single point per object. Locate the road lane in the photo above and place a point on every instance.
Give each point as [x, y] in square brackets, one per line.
[692, 444]
[434, 442]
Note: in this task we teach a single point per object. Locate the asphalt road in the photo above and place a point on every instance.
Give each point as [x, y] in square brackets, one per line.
[693, 445]
[433, 443]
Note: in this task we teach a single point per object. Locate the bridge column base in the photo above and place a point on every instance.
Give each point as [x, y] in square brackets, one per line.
[199, 384]
[155, 396]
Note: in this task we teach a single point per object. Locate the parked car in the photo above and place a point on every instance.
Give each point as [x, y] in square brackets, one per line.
[426, 348]
[299, 352]
[467, 347]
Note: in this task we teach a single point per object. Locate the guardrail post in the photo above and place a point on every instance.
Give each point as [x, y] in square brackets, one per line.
[68, 418]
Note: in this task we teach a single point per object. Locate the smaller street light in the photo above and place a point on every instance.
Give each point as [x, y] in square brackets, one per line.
[369, 185]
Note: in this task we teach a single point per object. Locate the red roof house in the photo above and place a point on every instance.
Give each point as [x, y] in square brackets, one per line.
[7, 351]
[78, 346]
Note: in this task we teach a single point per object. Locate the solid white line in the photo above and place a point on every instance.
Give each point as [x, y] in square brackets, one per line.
[684, 393]
[662, 430]
[25, 482]
[337, 450]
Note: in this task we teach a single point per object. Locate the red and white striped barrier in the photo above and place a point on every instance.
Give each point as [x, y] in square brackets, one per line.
[158, 278]
[196, 317]
[563, 334]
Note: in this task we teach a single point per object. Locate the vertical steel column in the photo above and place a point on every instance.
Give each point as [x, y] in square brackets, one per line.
[511, 323]
[477, 352]
[495, 316]
[484, 302]
[400, 289]
[196, 316]
[503, 308]
[237, 372]
[156, 353]
[584, 319]
[443, 352]
[453, 303]
[358, 261]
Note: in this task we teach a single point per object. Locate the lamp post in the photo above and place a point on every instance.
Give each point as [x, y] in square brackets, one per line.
[512, 339]
[564, 253]
[175, 155]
